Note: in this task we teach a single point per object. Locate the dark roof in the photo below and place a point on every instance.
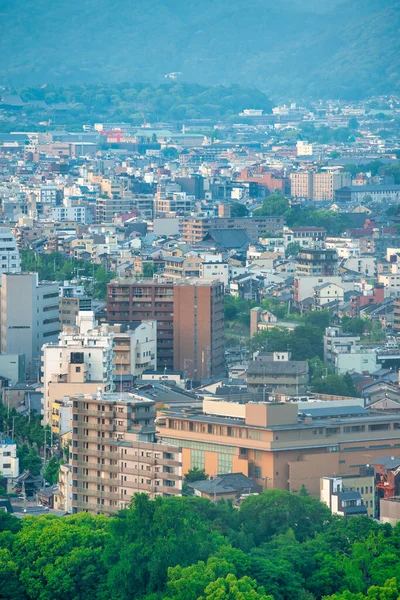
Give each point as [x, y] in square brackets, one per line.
[349, 495]
[228, 238]
[225, 484]
[355, 510]
[388, 462]
[333, 411]
[277, 367]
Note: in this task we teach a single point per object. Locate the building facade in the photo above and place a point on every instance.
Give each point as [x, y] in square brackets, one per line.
[115, 454]
[29, 317]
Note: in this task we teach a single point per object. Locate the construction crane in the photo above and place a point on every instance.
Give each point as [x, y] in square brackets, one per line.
[386, 480]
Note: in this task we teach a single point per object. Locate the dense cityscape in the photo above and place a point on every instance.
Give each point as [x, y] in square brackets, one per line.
[199, 339]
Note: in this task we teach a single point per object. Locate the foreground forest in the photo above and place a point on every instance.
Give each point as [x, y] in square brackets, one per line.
[277, 546]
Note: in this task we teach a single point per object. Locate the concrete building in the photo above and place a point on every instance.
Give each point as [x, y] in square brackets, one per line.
[194, 229]
[73, 300]
[199, 329]
[81, 361]
[334, 338]
[135, 348]
[326, 293]
[10, 261]
[9, 462]
[340, 500]
[304, 148]
[196, 350]
[304, 286]
[107, 208]
[144, 299]
[29, 317]
[115, 454]
[274, 372]
[314, 262]
[306, 237]
[301, 185]
[390, 510]
[325, 184]
[279, 445]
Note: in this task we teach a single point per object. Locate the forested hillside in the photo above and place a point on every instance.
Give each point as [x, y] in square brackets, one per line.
[291, 48]
[277, 546]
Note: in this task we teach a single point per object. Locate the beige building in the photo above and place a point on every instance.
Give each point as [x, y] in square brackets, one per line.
[325, 184]
[274, 372]
[115, 454]
[280, 445]
[301, 185]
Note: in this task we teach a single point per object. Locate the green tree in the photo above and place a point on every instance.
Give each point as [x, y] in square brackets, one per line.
[334, 385]
[238, 210]
[292, 250]
[273, 206]
[231, 588]
[193, 474]
[51, 471]
[29, 460]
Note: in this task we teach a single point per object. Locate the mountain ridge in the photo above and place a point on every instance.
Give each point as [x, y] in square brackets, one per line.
[339, 49]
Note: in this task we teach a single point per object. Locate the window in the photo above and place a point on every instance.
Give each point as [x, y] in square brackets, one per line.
[257, 472]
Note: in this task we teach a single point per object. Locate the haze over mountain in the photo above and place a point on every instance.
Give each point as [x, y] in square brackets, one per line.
[287, 48]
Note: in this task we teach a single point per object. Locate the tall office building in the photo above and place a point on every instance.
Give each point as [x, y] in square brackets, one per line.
[29, 317]
[199, 329]
[190, 320]
[115, 453]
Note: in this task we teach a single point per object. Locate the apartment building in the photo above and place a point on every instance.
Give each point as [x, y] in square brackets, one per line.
[135, 349]
[10, 261]
[313, 262]
[80, 361]
[274, 372]
[107, 208]
[301, 185]
[115, 453]
[145, 299]
[325, 184]
[178, 267]
[280, 445]
[29, 317]
[166, 203]
[194, 229]
[334, 338]
[189, 315]
[199, 329]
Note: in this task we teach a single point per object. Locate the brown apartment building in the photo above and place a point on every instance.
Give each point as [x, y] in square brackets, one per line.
[280, 445]
[194, 229]
[190, 320]
[115, 454]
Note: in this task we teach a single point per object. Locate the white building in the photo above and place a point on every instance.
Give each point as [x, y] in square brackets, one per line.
[69, 213]
[304, 148]
[9, 463]
[82, 355]
[358, 360]
[29, 317]
[10, 261]
[215, 271]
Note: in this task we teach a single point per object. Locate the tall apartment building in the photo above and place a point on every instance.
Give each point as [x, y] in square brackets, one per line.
[199, 329]
[280, 445]
[80, 361]
[301, 185]
[314, 262]
[29, 317]
[115, 453]
[144, 299]
[198, 348]
[325, 184]
[194, 229]
[10, 261]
